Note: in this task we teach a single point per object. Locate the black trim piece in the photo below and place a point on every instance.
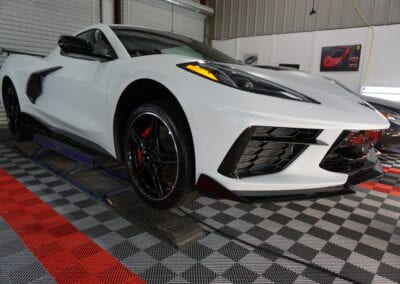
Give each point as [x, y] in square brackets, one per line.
[315, 194]
[34, 86]
[228, 165]
[369, 171]
[117, 139]
[38, 126]
[9, 51]
[207, 186]
[264, 150]
[78, 141]
[211, 188]
[275, 68]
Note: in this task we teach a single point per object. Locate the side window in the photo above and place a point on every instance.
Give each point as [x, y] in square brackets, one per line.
[100, 43]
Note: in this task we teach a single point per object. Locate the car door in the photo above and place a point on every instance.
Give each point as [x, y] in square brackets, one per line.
[74, 98]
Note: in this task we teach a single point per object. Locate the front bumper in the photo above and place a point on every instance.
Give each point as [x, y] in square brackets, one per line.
[211, 188]
[370, 169]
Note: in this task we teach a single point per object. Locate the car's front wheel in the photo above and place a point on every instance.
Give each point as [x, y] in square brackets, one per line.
[158, 154]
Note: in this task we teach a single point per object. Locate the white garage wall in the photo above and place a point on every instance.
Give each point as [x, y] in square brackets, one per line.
[284, 51]
[305, 49]
[34, 25]
[385, 65]
[167, 16]
[262, 45]
[227, 46]
[108, 11]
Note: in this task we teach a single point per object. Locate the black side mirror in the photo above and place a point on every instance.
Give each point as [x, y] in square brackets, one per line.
[72, 44]
[250, 60]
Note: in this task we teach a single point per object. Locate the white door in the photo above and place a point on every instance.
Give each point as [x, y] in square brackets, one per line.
[74, 98]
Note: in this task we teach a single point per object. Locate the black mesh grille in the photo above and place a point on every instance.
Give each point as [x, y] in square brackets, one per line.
[295, 135]
[266, 150]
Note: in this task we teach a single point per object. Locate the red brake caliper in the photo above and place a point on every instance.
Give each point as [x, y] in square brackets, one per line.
[144, 134]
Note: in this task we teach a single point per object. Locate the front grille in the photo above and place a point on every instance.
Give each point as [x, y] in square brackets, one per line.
[265, 150]
[345, 157]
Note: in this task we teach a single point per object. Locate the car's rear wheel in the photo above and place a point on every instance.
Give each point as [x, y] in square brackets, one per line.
[158, 155]
[13, 112]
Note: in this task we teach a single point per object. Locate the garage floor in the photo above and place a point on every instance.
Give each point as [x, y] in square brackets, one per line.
[352, 238]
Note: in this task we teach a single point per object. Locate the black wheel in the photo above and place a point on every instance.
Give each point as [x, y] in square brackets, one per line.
[158, 155]
[13, 111]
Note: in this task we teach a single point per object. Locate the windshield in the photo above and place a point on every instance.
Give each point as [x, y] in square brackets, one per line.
[141, 42]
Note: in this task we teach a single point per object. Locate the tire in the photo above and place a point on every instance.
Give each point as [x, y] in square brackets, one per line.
[13, 112]
[158, 154]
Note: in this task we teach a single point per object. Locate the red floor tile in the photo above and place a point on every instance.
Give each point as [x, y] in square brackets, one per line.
[67, 254]
[388, 189]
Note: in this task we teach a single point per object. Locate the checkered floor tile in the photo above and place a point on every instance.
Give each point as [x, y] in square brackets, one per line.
[354, 238]
[390, 160]
[17, 264]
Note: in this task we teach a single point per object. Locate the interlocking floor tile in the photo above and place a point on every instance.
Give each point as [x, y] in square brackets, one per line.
[353, 237]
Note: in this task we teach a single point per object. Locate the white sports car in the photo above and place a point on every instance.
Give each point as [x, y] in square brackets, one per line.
[179, 113]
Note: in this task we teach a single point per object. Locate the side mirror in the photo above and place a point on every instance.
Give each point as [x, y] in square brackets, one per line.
[250, 60]
[1, 51]
[71, 44]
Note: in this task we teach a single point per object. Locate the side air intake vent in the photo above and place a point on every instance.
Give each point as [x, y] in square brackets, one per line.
[265, 150]
[349, 152]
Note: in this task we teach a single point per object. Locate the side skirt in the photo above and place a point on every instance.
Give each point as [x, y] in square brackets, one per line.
[42, 128]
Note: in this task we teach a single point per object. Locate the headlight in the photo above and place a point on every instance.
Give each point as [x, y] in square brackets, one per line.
[244, 81]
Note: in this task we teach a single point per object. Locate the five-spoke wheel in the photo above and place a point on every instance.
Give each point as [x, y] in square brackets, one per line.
[158, 155]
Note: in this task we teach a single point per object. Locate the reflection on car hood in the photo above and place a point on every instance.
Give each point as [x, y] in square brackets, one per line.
[318, 88]
[391, 101]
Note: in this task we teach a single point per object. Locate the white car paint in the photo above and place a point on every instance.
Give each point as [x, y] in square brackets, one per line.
[81, 99]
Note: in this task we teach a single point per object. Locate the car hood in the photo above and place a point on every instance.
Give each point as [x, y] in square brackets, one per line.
[318, 88]
[335, 101]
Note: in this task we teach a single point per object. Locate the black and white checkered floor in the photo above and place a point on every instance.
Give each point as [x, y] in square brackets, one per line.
[352, 238]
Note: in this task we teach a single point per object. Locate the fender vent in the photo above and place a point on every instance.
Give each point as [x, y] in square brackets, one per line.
[265, 150]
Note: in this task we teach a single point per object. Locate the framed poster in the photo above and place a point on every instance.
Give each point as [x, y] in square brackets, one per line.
[340, 58]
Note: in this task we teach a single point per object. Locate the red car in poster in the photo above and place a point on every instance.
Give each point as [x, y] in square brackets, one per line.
[336, 58]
